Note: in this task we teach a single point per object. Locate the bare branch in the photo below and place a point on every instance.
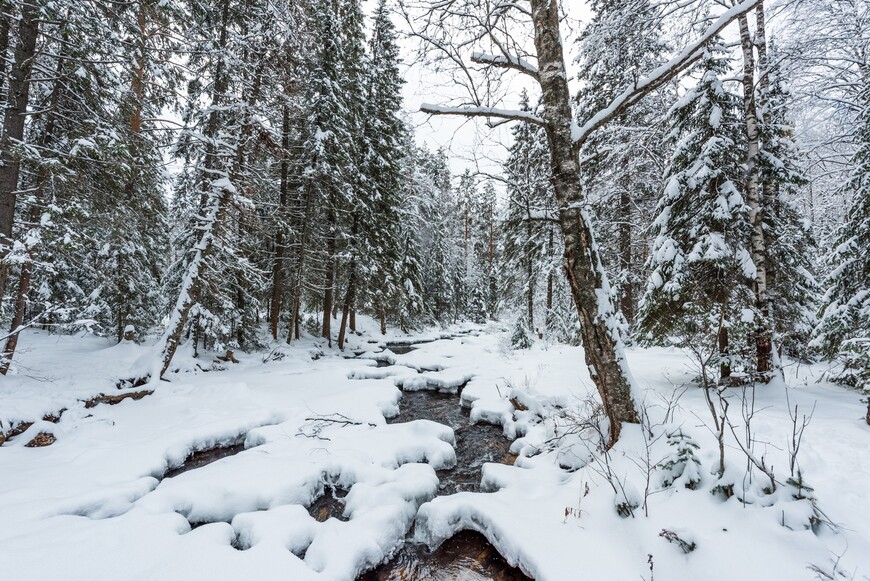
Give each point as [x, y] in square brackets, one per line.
[506, 114]
[508, 62]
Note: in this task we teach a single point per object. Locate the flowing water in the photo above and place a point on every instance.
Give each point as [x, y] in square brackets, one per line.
[202, 457]
[466, 556]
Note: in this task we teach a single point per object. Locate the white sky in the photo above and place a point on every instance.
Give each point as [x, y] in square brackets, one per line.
[469, 142]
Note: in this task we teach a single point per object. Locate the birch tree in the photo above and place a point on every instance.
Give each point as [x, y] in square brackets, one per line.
[527, 39]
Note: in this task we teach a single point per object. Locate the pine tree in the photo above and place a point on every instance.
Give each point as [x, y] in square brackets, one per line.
[531, 252]
[332, 158]
[383, 241]
[92, 241]
[622, 166]
[698, 289]
[442, 237]
[520, 336]
[844, 327]
[789, 244]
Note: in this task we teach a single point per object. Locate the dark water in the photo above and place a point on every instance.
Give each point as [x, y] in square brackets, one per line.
[466, 556]
[203, 457]
[400, 348]
[476, 444]
[329, 505]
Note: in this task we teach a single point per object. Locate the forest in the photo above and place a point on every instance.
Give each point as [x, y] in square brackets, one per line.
[260, 317]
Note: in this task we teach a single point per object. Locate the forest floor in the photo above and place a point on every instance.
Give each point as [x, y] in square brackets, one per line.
[284, 466]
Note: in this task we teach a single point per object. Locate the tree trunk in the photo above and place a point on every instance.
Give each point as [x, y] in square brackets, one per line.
[761, 46]
[763, 334]
[5, 9]
[626, 299]
[382, 314]
[296, 315]
[215, 202]
[586, 277]
[352, 319]
[278, 265]
[13, 128]
[530, 273]
[724, 364]
[349, 297]
[549, 315]
[491, 242]
[18, 316]
[329, 283]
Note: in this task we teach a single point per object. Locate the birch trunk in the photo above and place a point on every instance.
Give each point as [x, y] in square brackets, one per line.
[590, 289]
[763, 335]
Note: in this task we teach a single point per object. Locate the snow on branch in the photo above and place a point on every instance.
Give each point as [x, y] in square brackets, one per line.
[507, 114]
[509, 62]
[662, 74]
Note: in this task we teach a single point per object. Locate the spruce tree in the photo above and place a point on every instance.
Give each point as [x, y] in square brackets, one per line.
[622, 163]
[531, 250]
[385, 245]
[793, 289]
[700, 267]
[844, 327]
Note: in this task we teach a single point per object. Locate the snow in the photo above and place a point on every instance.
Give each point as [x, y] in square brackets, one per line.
[661, 74]
[95, 505]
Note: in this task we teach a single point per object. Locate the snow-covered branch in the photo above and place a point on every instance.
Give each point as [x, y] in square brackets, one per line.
[507, 114]
[661, 75]
[508, 62]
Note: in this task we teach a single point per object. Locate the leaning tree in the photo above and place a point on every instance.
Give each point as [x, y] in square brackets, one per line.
[509, 38]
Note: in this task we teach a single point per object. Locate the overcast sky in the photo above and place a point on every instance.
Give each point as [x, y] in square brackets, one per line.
[470, 143]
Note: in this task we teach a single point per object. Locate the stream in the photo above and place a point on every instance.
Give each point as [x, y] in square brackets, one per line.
[466, 556]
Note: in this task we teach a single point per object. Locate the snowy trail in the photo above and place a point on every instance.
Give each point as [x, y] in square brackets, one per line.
[95, 505]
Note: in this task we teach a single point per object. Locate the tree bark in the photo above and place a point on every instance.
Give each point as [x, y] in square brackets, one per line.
[34, 221]
[278, 265]
[549, 315]
[626, 299]
[17, 97]
[586, 277]
[215, 202]
[530, 273]
[349, 297]
[5, 8]
[724, 365]
[763, 332]
[329, 283]
[296, 315]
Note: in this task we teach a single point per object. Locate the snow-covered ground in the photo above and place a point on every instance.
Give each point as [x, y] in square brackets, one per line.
[93, 506]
